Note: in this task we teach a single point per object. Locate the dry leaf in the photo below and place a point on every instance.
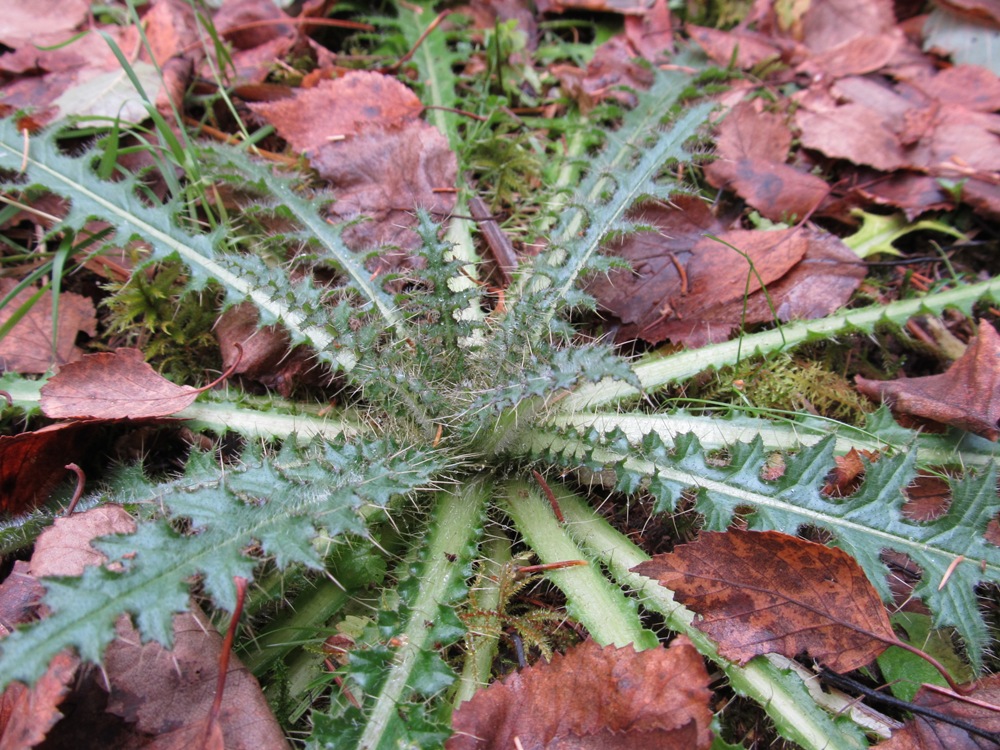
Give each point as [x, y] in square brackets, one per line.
[926, 733]
[29, 713]
[113, 385]
[751, 150]
[594, 697]
[32, 464]
[966, 396]
[27, 349]
[765, 592]
[363, 134]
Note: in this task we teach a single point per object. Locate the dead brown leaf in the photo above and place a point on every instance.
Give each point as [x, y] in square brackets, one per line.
[168, 694]
[32, 463]
[651, 699]
[926, 733]
[29, 713]
[22, 19]
[652, 33]
[966, 396]
[363, 134]
[750, 48]
[266, 357]
[765, 592]
[612, 73]
[113, 385]
[751, 150]
[27, 349]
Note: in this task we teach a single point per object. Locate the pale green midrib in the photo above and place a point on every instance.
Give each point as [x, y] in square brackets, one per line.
[658, 372]
[361, 278]
[457, 517]
[891, 541]
[600, 606]
[320, 339]
[715, 432]
[648, 166]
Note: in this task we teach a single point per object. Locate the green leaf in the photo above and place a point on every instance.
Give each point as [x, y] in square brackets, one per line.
[299, 493]
[864, 524]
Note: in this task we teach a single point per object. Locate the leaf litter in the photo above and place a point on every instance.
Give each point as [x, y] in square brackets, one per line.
[877, 116]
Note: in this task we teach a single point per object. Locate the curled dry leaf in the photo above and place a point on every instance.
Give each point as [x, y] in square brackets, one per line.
[594, 697]
[32, 463]
[113, 385]
[966, 396]
[765, 592]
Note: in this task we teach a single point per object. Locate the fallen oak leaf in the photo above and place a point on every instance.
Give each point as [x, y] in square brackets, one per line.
[761, 592]
[656, 698]
[967, 395]
[116, 385]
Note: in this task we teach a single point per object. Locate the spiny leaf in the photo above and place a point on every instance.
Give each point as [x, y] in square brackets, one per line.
[864, 524]
[241, 277]
[280, 503]
[629, 170]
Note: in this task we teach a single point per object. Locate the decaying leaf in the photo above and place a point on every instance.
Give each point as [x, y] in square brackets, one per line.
[363, 133]
[751, 150]
[593, 697]
[32, 464]
[28, 714]
[113, 385]
[27, 348]
[927, 733]
[267, 357]
[966, 396]
[764, 592]
[695, 289]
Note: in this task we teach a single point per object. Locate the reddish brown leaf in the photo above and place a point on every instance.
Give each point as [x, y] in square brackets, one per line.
[23, 19]
[113, 385]
[828, 24]
[750, 153]
[64, 548]
[842, 480]
[966, 396]
[29, 713]
[926, 733]
[266, 357]
[764, 592]
[750, 48]
[20, 594]
[32, 463]
[612, 73]
[593, 697]
[28, 346]
[651, 34]
[168, 694]
[347, 107]
[850, 131]
[362, 132]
